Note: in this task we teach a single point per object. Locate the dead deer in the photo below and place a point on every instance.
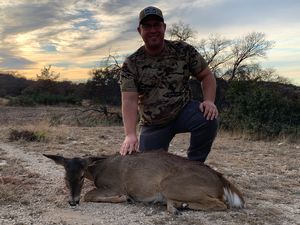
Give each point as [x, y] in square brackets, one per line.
[150, 177]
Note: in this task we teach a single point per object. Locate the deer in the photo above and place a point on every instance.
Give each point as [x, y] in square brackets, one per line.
[149, 177]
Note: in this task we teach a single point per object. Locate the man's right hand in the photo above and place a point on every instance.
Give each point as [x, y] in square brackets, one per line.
[129, 145]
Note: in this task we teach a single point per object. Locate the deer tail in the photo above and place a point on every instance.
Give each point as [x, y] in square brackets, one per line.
[232, 196]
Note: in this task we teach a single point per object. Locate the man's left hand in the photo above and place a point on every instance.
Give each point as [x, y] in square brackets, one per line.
[209, 110]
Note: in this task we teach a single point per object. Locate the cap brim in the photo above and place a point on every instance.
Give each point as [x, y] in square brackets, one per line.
[151, 16]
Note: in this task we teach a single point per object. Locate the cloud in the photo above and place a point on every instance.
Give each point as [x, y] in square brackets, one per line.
[30, 16]
[77, 34]
[9, 61]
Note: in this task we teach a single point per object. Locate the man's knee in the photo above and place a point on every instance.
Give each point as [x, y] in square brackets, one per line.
[209, 128]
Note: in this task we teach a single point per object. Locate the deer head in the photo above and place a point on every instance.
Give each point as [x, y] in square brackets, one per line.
[75, 169]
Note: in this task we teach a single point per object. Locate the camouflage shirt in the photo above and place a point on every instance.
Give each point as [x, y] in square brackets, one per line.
[161, 81]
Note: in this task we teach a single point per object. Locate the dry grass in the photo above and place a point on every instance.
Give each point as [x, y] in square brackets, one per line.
[243, 135]
[4, 101]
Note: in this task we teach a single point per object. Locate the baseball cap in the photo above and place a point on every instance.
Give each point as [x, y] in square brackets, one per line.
[150, 11]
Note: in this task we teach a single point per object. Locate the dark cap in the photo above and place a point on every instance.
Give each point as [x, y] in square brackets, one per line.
[151, 11]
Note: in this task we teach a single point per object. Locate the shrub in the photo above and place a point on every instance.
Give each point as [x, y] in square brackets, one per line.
[261, 110]
[44, 99]
[27, 135]
[92, 116]
[22, 100]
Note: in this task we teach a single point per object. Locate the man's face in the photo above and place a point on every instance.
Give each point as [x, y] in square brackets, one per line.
[152, 31]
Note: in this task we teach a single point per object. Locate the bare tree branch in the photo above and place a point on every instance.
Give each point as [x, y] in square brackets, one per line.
[251, 46]
[180, 31]
[215, 51]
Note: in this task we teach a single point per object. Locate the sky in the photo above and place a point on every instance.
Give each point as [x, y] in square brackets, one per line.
[75, 36]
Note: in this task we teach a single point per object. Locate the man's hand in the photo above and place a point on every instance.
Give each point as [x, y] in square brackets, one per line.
[130, 144]
[209, 110]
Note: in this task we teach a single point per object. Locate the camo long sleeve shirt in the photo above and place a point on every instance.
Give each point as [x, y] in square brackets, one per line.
[161, 81]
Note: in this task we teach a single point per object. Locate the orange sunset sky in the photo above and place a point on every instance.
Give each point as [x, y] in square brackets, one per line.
[76, 36]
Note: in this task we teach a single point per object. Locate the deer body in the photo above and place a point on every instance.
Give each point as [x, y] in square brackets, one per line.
[158, 176]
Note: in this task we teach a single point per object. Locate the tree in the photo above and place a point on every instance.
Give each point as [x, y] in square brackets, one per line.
[104, 85]
[47, 74]
[180, 31]
[46, 82]
[215, 52]
[228, 58]
[251, 46]
[12, 83]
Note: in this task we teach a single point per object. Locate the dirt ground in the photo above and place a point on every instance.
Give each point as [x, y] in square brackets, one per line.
[32, 189]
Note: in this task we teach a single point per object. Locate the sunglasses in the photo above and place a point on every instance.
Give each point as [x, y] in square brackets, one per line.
[148, 26]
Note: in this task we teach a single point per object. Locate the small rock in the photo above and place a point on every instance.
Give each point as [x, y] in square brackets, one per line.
[3, 162]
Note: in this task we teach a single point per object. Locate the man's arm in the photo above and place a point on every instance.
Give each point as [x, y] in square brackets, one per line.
[129, 113]
[208, 83]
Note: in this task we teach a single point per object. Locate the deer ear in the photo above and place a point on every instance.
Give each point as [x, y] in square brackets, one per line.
[94, 159]
[60, 160]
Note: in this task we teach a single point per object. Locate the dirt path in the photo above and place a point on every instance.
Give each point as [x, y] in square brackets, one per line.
[35, 163]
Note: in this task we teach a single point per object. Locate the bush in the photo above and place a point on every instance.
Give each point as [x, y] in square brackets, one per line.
[261, 110]
[104, 86]
[44, 99]
[21, 100]
[27, 136]
[53, 99]
[96, 115]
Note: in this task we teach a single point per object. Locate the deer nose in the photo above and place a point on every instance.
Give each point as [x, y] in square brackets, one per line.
[73, 203]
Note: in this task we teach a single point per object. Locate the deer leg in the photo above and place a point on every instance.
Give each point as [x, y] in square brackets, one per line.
[129, 199]
[207, 205]
[172, 206]
[192, 195]
[97, 195]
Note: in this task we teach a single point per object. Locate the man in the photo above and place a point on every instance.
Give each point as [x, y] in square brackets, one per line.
[154, 81]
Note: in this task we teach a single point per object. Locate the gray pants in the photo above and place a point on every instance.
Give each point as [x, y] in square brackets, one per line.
[190, 119]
